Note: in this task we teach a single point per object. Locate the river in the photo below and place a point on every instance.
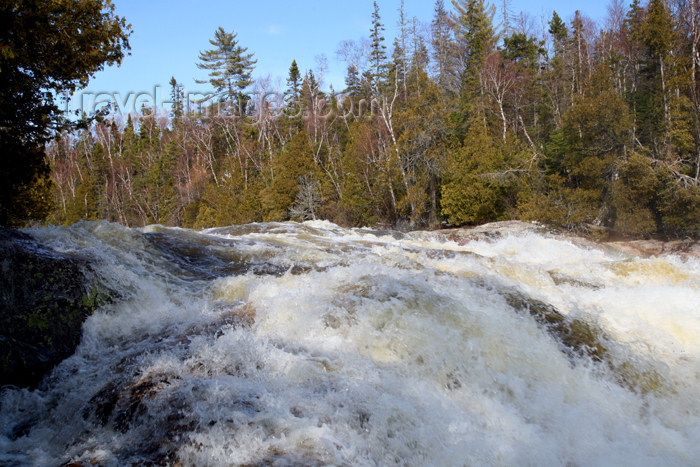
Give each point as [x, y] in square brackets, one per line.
[310, 344]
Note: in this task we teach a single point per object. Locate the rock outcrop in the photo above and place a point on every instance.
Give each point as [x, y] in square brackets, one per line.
[44, 299]
[687, 248]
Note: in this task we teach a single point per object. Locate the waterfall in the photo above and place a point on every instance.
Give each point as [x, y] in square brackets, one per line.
[312, 344]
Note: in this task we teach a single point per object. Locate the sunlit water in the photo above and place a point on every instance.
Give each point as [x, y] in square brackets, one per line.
[310, 344]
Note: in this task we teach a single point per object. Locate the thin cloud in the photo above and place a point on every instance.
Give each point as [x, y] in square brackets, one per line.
[274, 30]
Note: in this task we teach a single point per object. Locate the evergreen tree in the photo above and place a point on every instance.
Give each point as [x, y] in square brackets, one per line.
[467, 195]
[559, 32]
[557, 76]
[177, 96]
[476, 36]
[310, 92]
[352, 81]
[658, 36]
[292, 96]
[230, 68]
[395, 69]
[420, 57]
[519, 48]
[443, 49]
[377, 54]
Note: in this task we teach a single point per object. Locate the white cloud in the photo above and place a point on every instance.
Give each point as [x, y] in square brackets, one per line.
[274, 30]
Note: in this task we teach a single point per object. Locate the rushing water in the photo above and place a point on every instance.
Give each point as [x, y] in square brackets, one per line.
[310, 344]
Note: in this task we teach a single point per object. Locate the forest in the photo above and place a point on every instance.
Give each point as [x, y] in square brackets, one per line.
[466, 117]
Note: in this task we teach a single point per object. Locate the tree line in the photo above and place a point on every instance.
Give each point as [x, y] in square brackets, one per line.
[467, 118]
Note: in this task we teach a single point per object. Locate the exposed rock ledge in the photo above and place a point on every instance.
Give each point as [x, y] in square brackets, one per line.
[644, 248]
[44, 299]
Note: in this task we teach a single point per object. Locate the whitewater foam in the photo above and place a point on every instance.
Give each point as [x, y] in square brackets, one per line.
[310, 344]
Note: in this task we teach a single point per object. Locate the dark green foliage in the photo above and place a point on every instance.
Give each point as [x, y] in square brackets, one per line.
[377, 54]
[472, 193]
[558, 30]
[519, 48]
[46, 48]
[230, 69]
[177, 97]
[292, 96]
[597, 130]
[588, 130]
[294, 163]
[678, 205]
[634, 197]
[476, 38]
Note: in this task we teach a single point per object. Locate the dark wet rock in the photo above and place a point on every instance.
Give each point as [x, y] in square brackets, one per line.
[209, 257]
[577, 336]
[560, 279]
[44, 298]
[155, 401]
[686, 248]
[645, 248]
[491, 231]
[123, 404]
[276, 459]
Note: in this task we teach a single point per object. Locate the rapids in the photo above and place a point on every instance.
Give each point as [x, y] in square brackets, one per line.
[311, 344]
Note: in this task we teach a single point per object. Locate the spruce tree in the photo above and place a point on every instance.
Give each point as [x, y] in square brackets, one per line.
[177, 96]
[443, 49]
[476, 35]
[377, 50]
[292, 95]
[352, 81]
[476, 38]
[658, 35]
[559, 32]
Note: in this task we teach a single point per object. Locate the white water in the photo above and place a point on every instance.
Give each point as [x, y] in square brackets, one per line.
[309, 344]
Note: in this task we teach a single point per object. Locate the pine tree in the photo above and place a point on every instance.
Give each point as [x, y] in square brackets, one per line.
[395, 70]
[559, 32]
[310, 92]
[520, 48]
[230, 68]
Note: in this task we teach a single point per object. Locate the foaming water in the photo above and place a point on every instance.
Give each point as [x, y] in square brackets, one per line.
[310, 344]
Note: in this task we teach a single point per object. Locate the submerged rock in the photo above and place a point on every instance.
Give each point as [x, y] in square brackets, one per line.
[580, 338]
[686, 248]
[576, 336]
[44, 299]
[491, 231]
[683, 248]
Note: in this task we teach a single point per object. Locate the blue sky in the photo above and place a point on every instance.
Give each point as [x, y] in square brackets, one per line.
[169, 34]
